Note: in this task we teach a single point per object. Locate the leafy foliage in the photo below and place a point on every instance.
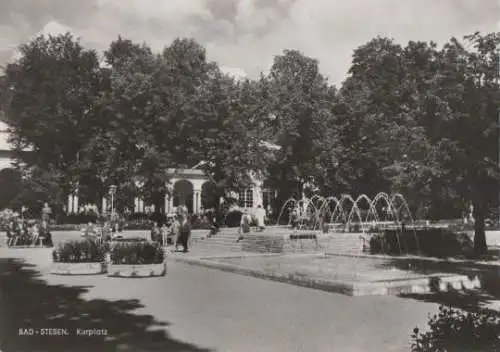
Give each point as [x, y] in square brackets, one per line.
[436, 242]
[137, 253]
[86, 251]
[455, 330]
[301, 120]
[414, 118]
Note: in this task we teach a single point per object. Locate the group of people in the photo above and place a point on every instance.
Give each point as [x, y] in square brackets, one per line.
[19, 231]
[176, 233]
[105, 231]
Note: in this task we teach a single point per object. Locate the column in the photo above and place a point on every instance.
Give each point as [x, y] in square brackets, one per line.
[136, 205]
[167, 203]
[171, 204]
[103, 205]
[141, 206]
[196, 201]
[70, 204]
[76, 209]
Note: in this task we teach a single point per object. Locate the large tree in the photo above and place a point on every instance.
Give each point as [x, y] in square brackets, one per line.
[426, 121]
[466, 98]
[230, 142]
[381, 102]
[300, 103]
[53, 88]
[121, 150]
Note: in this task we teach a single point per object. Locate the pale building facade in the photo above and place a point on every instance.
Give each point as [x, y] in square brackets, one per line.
[185, 188]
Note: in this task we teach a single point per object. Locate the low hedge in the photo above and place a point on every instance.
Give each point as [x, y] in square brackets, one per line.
[65, 227]
[79, 251]
[82, 218]
[200, 223]
[455, 330]
[436, 242]
[137, 253]
[139, 224]
[129, 239]
[303, 236]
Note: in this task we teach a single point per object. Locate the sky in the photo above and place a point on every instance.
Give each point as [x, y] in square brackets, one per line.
[243, 36]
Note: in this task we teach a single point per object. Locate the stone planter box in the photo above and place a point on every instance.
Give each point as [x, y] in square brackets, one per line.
[137, 270]
[78, 268]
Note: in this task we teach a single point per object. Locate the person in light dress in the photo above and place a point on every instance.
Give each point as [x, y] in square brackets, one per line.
[260, 215]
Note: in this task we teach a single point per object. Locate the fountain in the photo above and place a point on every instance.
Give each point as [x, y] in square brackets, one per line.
[348, 215]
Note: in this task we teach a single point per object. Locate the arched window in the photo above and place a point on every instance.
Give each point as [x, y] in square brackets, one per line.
[245, 198]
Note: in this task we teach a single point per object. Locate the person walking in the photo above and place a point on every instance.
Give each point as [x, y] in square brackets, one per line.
[11, 236]
[163, 235]
[46, 212]
[185, 231]
[175, 232]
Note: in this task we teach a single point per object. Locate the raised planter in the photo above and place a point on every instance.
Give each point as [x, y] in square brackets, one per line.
[78, 268]
[137, 270]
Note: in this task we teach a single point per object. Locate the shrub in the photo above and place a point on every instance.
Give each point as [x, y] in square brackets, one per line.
[65, 227]
[436, 242]
[455, 330]
[233, 218]
[138, 224]
[130, 239]
[137, 253]
[138, 216]
[81, 218]
[80, 251]
[200, 223]
[129, 225]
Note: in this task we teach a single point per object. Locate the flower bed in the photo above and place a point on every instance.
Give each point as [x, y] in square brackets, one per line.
[136, 259]
[81, 257]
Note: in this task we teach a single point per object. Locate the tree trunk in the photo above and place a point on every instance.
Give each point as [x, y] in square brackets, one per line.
[480, 246]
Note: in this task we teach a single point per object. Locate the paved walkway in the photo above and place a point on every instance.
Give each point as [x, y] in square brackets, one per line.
[207, 309]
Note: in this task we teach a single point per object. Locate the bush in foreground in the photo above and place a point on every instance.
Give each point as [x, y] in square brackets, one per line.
[137, 253]
[80, 251]
[436, 242]
[453, 330]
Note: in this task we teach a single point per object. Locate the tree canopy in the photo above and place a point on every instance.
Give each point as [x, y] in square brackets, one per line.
[416, 118]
